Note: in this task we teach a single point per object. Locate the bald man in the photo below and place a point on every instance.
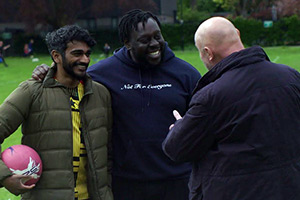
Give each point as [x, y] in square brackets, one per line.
[216, 39]
[242, 129]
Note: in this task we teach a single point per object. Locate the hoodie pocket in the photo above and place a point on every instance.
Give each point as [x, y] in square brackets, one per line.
[145, 156]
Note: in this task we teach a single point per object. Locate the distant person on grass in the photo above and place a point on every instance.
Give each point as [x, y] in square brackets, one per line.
[147, 81]
[30, 48]
[242, 130]
[26, 50]
[106, 50]
[67, 119]
[2, 49]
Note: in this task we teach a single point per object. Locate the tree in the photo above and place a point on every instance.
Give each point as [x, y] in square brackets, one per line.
[55, 13]
[244, 8]
[195, 10]
[51, 14]
[9, 10]
[102, 8]
[287, 8]
[276, 9]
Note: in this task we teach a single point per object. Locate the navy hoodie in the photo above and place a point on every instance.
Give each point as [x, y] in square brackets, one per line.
[143, 100]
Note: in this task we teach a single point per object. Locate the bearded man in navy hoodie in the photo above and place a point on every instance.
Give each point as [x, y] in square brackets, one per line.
[147, 82]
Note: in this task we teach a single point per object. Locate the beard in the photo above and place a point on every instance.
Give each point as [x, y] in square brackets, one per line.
[69, 68]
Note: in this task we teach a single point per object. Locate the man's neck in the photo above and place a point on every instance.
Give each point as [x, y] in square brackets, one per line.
[67, 81]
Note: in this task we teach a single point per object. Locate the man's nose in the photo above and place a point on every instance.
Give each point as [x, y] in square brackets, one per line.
[85, 58]
[154, 42]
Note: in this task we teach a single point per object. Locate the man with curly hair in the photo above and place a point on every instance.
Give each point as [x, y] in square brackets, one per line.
[67, 119]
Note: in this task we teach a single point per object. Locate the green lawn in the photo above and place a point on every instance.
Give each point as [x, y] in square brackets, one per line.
[20, 69]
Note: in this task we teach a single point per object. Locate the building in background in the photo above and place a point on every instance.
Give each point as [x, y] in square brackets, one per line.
[92, 14]
[165, 10]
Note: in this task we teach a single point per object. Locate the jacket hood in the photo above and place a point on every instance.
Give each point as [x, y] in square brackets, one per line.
[235, 60]
[122, 54]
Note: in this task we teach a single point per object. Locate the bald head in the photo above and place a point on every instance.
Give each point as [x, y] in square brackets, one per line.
[217, 38]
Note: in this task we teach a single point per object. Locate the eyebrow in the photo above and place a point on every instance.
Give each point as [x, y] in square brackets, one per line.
[146, 35]
[80, 51]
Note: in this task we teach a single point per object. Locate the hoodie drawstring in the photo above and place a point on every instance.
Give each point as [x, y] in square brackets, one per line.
[141, 89]
[142, 94]
[150, 92]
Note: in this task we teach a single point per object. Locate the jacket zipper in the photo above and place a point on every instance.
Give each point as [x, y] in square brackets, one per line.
[89, 152]
[71, 122]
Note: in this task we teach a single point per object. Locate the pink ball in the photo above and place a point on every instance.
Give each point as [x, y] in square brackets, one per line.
[23, 160]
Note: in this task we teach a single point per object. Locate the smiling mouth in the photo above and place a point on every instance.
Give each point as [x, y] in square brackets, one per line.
[155, 54]
[81, 68]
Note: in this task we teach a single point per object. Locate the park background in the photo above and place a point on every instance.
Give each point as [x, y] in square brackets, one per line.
[273, 24]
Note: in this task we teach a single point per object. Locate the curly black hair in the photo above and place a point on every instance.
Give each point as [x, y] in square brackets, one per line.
[130, 20]
[58, 39]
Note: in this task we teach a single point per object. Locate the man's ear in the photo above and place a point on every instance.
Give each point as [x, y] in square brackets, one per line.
[209, 53]
[56, 56]
[127, 44]
[238, 32]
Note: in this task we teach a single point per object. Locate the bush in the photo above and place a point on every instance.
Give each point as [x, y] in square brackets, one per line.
[283, 32]
[179, 35]
[292, 24]
[251, 30]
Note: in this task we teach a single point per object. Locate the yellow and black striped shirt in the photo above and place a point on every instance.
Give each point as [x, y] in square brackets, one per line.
[79, 150]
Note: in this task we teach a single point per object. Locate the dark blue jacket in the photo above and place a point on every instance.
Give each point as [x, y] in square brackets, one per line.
[242, 131]
[143, 100]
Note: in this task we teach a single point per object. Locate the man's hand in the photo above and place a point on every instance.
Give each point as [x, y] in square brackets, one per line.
[177, 117]
[15, 184]
[40, 72]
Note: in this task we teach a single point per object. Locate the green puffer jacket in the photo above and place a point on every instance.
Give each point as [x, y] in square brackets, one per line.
[44, 110]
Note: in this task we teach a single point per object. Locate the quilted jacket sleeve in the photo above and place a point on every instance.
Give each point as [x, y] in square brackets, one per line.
[109, 146]
[13, 111]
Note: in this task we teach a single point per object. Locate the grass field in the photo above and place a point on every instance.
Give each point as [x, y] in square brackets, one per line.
[20, 69]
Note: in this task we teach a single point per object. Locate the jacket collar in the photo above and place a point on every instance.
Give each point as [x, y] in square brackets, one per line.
[235, 60]
[50, 82]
